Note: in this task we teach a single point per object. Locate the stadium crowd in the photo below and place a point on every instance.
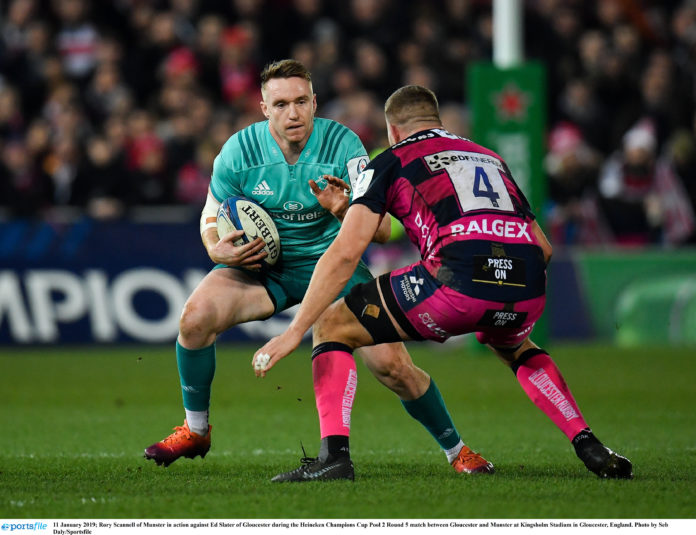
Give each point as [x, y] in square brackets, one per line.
[110, 104]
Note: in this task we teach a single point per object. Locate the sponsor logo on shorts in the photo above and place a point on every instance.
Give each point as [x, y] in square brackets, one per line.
[407, 287]
[429, 322]
[416, 283]
[502, 318]
[502, 271]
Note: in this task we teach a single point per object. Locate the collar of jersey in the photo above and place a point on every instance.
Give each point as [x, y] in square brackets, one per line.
[274, 149]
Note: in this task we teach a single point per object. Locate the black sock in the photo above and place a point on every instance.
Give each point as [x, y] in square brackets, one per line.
[333, 447]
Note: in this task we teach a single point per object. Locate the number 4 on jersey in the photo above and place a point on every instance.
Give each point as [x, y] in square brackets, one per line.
[479, 177]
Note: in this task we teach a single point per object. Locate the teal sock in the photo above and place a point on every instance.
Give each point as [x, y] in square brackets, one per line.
[196, 371]
[430, 411]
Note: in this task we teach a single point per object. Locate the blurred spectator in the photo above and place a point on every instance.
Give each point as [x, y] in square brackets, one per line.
[107, 93]
[379, 20]
[103, 180]
[643, 199]
[145, 153]
[681, 153]
[77, 38]
[238, 72]
[207, 48]
[180, 144]
[573, 215]
[578, 104]
[26, 189]
[11, 118]
[61, 164]
[193, 177]
[373, 68]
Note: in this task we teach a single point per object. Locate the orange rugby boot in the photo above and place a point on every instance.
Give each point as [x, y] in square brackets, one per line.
[181, 443]
[472, 463]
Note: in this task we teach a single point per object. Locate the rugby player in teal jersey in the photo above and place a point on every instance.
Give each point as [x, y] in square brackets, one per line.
[298, 168]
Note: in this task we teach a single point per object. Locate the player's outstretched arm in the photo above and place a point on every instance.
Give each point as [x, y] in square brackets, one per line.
[331, 274]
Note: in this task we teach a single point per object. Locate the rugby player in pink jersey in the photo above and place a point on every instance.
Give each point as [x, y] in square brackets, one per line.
[482, 268]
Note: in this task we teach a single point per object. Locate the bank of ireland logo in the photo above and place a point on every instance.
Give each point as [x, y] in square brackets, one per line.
[293, 206]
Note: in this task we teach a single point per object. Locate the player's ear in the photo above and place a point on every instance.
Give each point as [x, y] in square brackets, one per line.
[393, 134]
[314, 103]
[264, 109]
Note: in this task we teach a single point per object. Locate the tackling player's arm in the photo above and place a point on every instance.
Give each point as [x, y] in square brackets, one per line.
[330, 276]
[222, 250]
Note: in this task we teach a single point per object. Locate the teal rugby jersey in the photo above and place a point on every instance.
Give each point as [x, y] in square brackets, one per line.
[251, 164]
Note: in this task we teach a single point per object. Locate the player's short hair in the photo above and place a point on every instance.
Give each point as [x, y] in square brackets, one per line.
[284, 68]
[412, 104]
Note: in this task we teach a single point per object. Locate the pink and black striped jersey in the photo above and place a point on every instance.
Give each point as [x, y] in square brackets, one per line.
[461, 207]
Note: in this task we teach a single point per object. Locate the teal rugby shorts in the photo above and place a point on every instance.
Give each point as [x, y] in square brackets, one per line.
[286, 285]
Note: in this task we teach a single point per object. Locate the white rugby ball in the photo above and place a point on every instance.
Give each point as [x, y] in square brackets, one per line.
[240, 213]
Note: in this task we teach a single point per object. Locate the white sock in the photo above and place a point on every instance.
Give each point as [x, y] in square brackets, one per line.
[451, 453]
[197, 421]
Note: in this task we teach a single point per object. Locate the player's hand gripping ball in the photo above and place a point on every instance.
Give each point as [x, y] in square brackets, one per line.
[240, 213]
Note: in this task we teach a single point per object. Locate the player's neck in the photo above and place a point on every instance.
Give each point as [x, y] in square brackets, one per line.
[291, 151]
[419, 127]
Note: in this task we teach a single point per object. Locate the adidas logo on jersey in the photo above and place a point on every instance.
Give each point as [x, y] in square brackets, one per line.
[262, 188]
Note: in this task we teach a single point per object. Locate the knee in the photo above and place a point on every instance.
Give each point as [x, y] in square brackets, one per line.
[196, 325]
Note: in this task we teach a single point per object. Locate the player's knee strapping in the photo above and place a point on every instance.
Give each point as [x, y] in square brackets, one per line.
[364, 302]
[326, 347]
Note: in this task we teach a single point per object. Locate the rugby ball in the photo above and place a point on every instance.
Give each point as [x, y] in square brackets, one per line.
[240, 213]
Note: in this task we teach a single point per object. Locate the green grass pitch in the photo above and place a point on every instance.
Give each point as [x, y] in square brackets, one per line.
[75, 422]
